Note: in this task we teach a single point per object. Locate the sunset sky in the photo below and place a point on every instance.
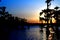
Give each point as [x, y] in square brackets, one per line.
[28, 9]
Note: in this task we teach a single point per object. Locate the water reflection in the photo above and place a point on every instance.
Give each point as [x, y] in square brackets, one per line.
[29, 34]
[33, 33]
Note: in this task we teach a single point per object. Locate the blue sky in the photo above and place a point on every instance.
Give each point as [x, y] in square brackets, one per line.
[28, 9]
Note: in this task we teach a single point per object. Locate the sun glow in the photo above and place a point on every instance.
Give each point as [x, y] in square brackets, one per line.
[43, 21]
[42, 15]
[53, 20]
[33, 20]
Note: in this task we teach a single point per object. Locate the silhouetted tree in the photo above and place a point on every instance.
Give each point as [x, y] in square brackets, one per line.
[8, 19]
[57, 16]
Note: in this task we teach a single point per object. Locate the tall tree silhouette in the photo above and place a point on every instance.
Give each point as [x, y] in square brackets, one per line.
[57, 16]
[48, 15]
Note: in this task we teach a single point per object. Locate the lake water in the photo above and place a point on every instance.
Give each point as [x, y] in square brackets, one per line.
[33, 33]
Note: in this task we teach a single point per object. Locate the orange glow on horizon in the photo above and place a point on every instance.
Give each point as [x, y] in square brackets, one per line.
[32, 20]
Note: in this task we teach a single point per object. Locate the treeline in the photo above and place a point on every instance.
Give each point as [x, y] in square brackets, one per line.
[9, 21]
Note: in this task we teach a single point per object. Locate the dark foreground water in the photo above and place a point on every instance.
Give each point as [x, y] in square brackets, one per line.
[33, 33]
